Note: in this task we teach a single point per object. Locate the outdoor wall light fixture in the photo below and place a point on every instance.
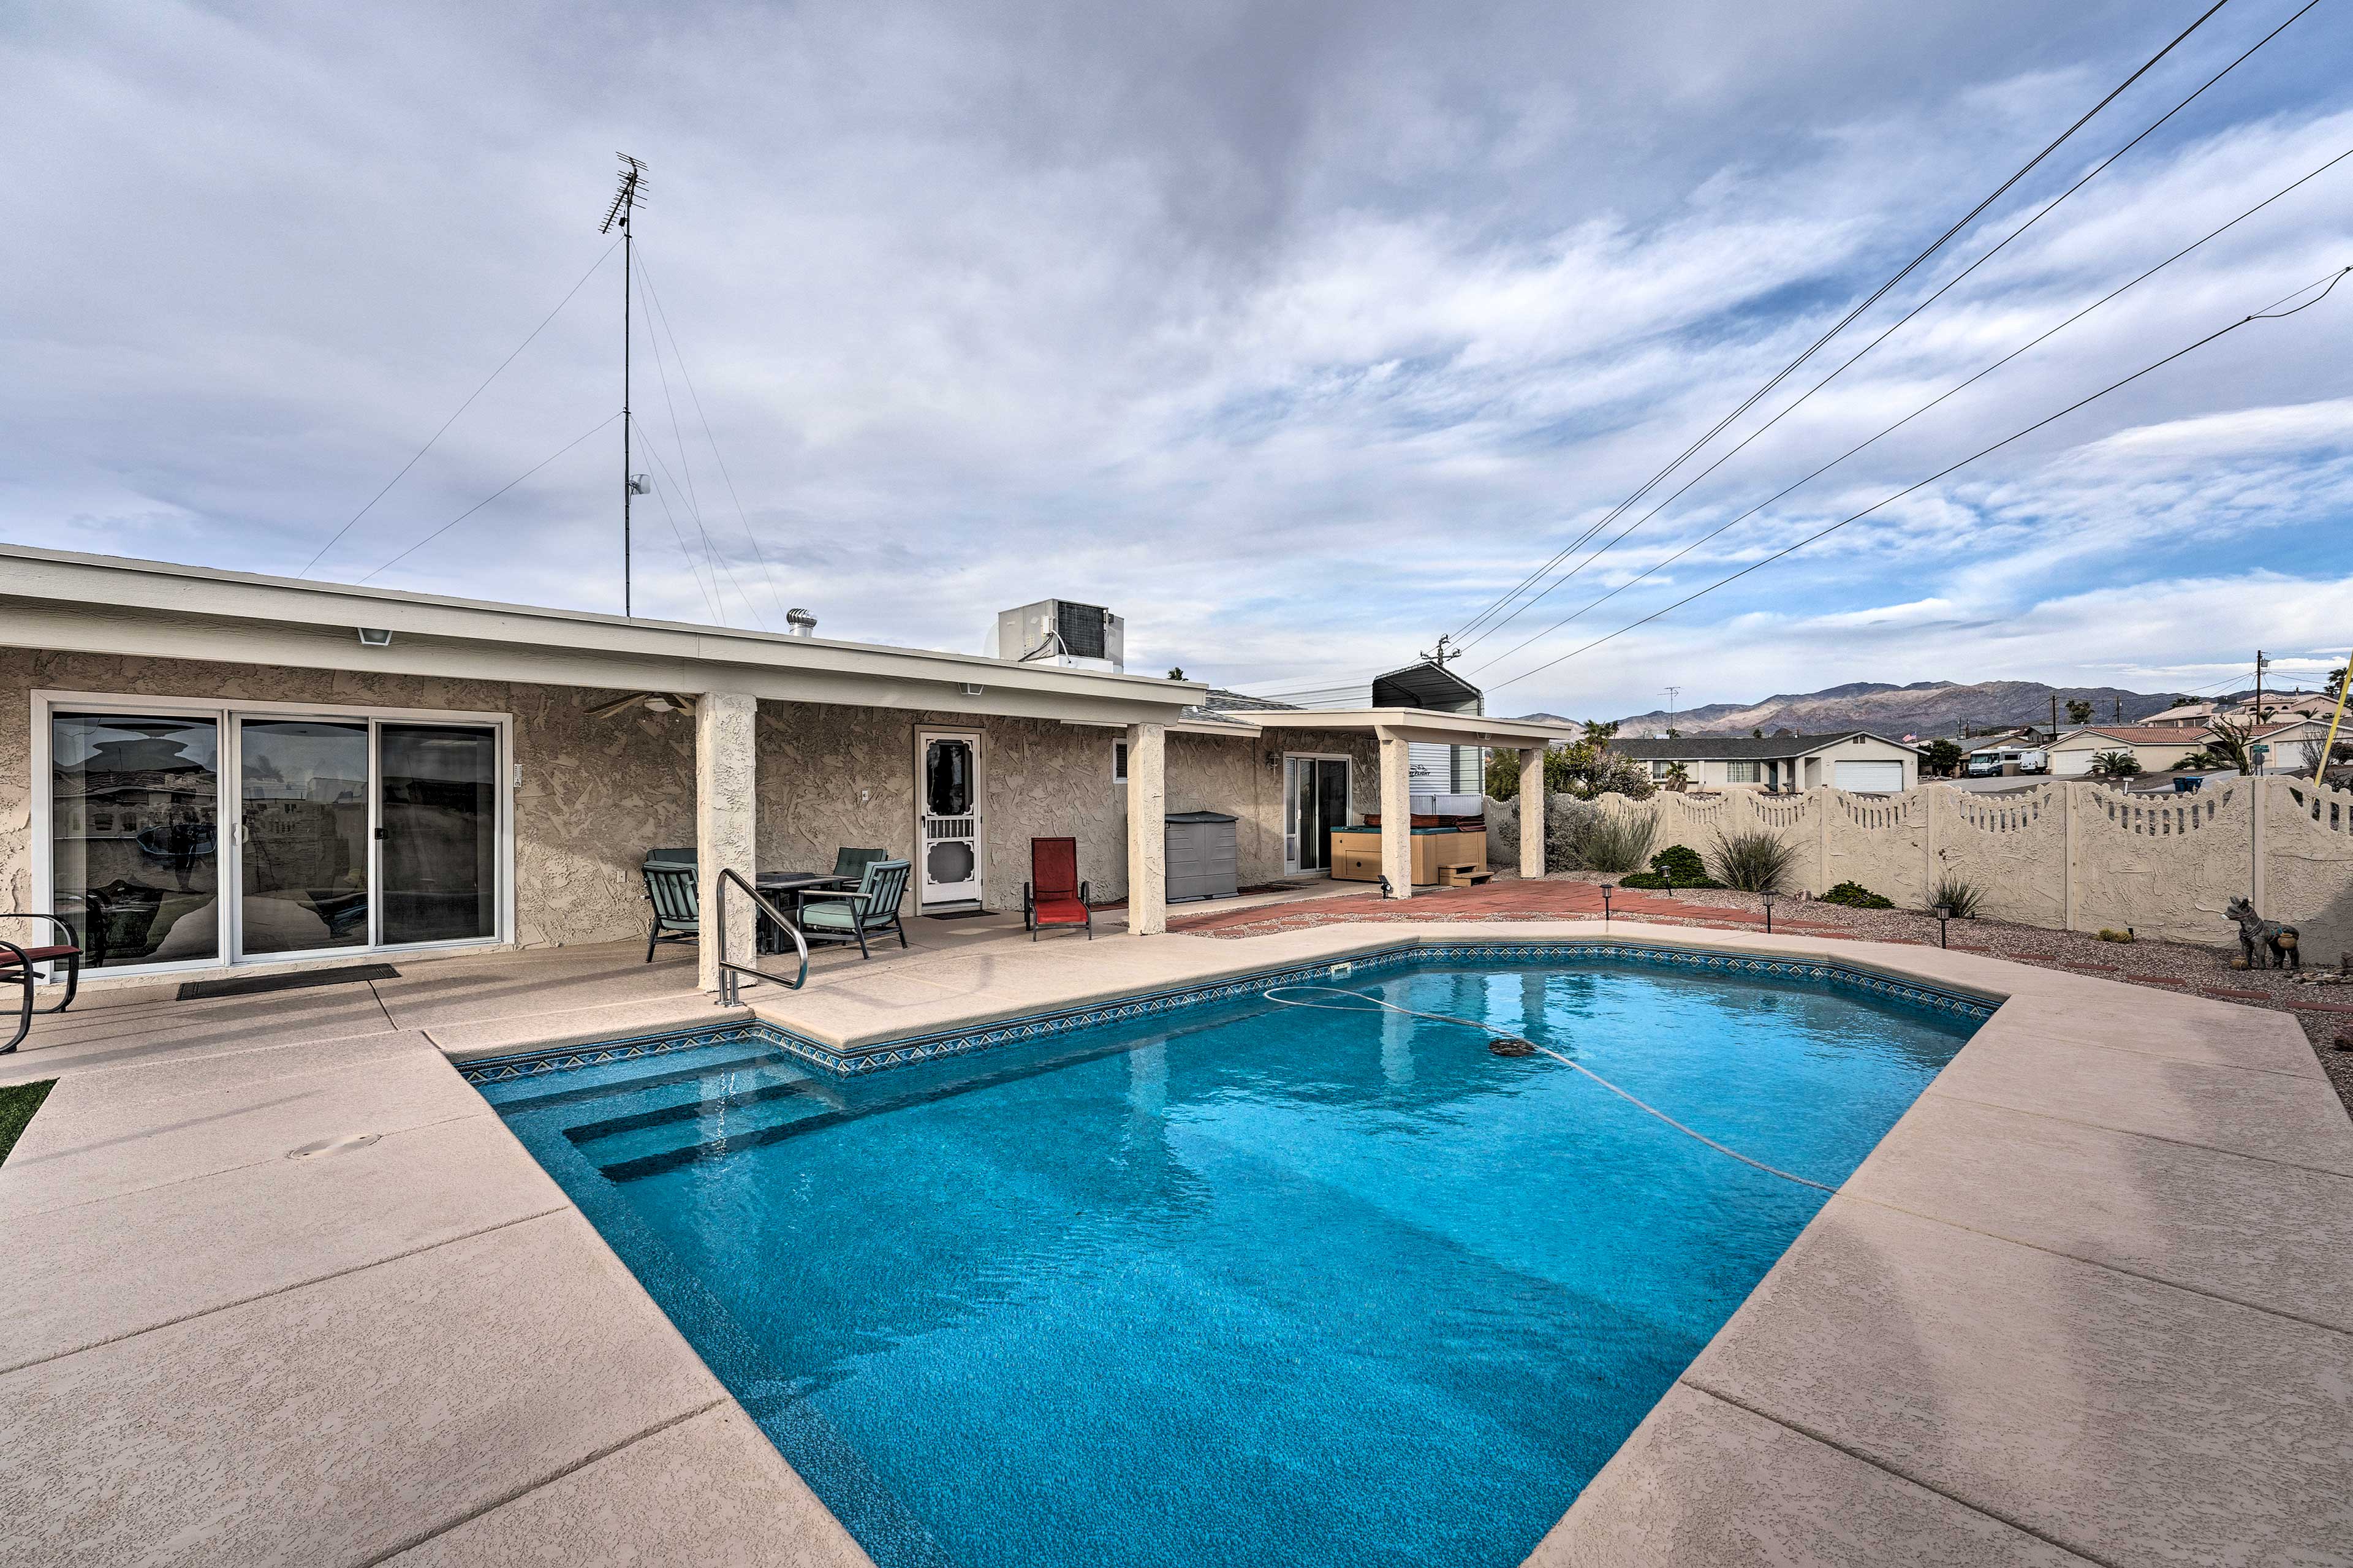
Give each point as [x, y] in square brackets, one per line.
[1944, 913]
[375, 637]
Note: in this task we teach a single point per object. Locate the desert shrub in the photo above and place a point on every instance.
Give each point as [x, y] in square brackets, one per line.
[1855, 896]
[1610, 840]
[1753, 859]
[1677, 866]
[1959, 894]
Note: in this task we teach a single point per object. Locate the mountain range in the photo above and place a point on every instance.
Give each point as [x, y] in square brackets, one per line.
[1924, 708]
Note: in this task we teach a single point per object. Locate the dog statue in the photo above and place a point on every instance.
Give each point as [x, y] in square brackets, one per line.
[2260, 938]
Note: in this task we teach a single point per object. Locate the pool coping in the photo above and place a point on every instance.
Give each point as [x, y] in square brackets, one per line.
[1839, 972]
[1796, 1435]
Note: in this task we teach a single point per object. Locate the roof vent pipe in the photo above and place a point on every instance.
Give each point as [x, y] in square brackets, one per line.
[799, 623]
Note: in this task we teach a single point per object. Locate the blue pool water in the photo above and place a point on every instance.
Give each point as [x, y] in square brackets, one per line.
[1244, 1284]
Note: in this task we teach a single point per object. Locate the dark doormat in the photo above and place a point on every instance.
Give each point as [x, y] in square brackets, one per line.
[956, 915]
[350, 973]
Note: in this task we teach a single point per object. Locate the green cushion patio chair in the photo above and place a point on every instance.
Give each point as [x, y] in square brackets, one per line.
[829, 915]
[849, 865]
[677, 903]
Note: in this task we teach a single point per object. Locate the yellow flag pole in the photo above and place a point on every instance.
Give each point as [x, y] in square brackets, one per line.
[2344, 686]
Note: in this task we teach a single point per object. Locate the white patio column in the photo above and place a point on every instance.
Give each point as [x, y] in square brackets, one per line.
[1531, 812]
[1147, 829]
[1396, 815]
[726, 813]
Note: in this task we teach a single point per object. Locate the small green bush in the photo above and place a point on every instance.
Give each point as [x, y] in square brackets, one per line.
[1678, 865]
[1855, 896]
[1681, 865]
[1753, 860]
[1957, 894]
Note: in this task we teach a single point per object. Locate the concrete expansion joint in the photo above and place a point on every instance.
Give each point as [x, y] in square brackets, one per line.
[1864, 1456]
[291, 1285]
[607, 1452]
[2137, 1132]
[2089, 1261]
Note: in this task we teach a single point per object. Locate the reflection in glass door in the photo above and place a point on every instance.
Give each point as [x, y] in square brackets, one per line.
[1314, 802]
[134, 858]
[303, 835]
[438, 832]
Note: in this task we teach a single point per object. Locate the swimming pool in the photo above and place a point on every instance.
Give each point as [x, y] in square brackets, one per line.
[1235, 1282]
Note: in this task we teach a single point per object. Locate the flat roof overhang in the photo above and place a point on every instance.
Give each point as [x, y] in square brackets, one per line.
[1423, 725]
[108, 605]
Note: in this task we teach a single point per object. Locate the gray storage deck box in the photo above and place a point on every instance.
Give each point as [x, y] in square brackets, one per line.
[1201, 860]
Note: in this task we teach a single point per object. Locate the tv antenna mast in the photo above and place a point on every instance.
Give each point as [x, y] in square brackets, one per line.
[625, 200]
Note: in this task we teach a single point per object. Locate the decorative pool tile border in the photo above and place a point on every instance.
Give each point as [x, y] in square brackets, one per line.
[570, 1058]
[966, 1038]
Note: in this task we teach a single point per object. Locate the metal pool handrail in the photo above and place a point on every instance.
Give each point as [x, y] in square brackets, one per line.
[730, 988]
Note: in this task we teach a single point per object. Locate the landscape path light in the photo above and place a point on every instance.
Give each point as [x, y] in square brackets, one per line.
[1769, 912]
[1944, 913]
[1606, 889]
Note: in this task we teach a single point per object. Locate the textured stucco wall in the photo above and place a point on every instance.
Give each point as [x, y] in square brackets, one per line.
[596, 793]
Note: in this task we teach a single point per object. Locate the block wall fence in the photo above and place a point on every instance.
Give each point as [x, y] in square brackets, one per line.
[2073, 857]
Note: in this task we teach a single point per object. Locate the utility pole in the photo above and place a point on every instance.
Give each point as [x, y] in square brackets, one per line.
[2120, 709]
[1444, 650]
[625, 200]
[1674, 697]
[2055, 715]
[2261, 660]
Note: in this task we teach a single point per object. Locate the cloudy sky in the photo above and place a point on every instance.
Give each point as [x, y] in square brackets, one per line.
[1297, 333]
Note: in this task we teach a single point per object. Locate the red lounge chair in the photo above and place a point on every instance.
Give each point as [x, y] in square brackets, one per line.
[1054, 896]
[18, 964]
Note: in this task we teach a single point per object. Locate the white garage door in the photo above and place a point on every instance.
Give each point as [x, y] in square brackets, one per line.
[1878, 778]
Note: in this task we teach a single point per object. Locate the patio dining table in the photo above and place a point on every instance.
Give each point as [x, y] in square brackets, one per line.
[778, 887]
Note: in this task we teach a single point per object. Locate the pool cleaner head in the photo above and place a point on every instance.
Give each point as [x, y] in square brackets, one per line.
[1510, 1045]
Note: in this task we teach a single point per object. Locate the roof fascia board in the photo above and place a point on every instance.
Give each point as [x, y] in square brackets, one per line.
[196, 592]
[209, 640]
[1419, 724]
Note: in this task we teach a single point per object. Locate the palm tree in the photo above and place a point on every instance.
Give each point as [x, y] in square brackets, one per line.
[2116, 764]
[1677, 777]
[2229, 743]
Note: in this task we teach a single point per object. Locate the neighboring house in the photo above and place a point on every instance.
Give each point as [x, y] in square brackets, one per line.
[2188, 716]
[2158, 748]
[203, 769]
[1854, 760]
[2161, 750]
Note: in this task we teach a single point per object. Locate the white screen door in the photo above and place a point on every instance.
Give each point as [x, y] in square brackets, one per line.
[948, 818]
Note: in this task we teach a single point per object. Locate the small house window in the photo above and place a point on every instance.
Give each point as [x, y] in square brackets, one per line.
[1740, 772]
[1658, 769]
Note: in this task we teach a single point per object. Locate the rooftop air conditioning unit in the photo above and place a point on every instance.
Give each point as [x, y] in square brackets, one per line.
[1064, 633]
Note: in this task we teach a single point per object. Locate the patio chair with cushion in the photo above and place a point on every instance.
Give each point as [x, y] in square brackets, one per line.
[870, 910]
[677, 902]
[20, 965]
[1054, 896]
[849, 865]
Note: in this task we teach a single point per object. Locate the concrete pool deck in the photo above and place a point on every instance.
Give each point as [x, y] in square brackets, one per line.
[284, 1289]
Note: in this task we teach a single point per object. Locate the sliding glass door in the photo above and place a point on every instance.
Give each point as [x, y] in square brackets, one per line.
[301, 836]
[329, 832]
[439, 832]
[1315, 801]
[134, 851]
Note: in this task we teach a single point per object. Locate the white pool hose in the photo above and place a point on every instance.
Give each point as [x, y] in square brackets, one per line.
[1357, 999]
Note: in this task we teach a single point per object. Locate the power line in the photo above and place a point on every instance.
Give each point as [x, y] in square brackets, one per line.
[694, 501]
[679, 354]
[2269, 313]
[1947, 393]
[686, 553]
[461, 408]
[1842, 322]
[493, 496]
[714, 563]
[1889, 331]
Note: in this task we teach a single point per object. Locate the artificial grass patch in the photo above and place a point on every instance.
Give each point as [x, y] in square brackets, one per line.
[18, 1103]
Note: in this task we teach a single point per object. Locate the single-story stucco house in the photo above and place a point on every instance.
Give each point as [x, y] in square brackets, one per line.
[2158, 747]
[202, 770]
[1851, 760]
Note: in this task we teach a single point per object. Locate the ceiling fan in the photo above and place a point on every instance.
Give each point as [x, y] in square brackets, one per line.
[651, 701]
